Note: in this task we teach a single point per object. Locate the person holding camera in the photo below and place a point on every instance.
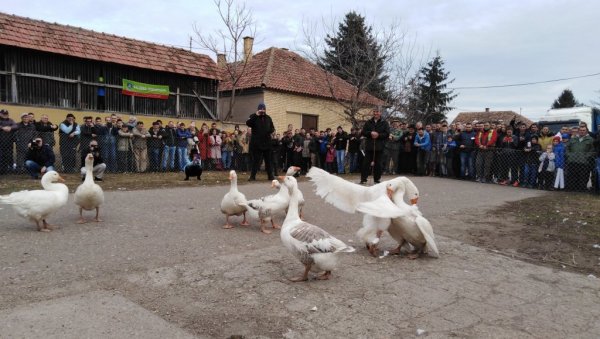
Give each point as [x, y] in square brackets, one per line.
[39, 159]
[260, 142]
[99, 165]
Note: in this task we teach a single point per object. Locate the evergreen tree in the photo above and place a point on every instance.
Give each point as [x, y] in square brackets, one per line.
[565, 100]
[354, 55]
[431, 97]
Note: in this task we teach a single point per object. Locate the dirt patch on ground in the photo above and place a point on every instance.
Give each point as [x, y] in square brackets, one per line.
[560, 230]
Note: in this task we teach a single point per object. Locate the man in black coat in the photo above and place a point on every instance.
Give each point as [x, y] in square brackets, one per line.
[260, 140]
[376, 131]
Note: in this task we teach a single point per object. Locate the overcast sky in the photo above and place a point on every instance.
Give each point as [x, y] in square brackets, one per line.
[482, 43]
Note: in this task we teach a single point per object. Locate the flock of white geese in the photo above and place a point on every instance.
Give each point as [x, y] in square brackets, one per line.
[382, 205]
[37, 205]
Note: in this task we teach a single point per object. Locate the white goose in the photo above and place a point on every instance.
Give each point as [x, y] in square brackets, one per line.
[270, 205]
[89, 195]
[234, 202]
[346, 196]
[292, 170]
[37, 205]
[315, 248]
[407, 223]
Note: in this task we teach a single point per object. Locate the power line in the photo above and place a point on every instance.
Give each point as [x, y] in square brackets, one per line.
[526, 83]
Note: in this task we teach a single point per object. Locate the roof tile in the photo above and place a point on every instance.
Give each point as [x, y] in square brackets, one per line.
[280, 69]
[39, 35]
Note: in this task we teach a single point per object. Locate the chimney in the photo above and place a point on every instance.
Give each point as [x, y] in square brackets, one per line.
[248, 42]
[487, 109]
[221, 61]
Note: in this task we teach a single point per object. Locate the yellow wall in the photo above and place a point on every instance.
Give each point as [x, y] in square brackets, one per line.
[286, 108]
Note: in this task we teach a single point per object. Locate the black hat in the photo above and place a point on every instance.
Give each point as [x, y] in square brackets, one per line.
[262, 106]
[3, 111]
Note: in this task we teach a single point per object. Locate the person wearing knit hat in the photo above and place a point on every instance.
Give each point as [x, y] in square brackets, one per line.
[7, 127]
[260, 141]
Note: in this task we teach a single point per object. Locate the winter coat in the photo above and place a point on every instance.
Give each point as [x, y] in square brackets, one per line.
[262, 128]
[46, 132]
[140, 137]
[580, 149]
[382, 127]
[551, 165]
[124, 141]
[182, 136]
[43, 156]
[559, 155]
[341, 141]
[215, 146]
[424, 142]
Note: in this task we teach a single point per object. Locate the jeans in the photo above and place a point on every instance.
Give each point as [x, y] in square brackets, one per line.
[530, 174]
[340, 155]
[467, 165]
[352, 162]
[226, 159]
[154, 159]
[34, 168]
[168, 158]
[182, 154]
[108, 148]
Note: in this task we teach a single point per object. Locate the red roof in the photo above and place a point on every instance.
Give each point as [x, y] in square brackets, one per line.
[280, 69]
[39, 35]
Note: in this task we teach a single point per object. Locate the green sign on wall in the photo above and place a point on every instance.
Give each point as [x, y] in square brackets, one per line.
[140, 89]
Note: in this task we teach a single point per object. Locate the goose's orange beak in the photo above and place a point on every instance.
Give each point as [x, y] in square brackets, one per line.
[413, 201]
[61, 179]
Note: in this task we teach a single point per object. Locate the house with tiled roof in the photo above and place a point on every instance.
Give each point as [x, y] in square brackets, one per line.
[53, 68]
[295, 91]
[491, 116]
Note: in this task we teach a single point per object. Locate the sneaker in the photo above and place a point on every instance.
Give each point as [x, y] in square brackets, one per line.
[363, 183]
[377, 181]
[516, 184]
[252, 179]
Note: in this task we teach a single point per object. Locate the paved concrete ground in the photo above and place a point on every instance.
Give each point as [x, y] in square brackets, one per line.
[161, 266]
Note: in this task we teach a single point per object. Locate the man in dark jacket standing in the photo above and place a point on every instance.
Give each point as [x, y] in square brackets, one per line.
[376, 131]
[260, 143]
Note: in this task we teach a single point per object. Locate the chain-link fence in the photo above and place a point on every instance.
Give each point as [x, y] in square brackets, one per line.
[532, 168]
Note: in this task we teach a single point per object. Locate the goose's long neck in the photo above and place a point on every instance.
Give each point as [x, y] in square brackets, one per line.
[89, 171]
[292, 212]
[234, 185]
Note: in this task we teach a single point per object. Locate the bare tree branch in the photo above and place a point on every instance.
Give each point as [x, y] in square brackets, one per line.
[239, 23]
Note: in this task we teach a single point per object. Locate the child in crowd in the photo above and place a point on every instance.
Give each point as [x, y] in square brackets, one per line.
[546, 168]
[330, 159]
[558, 147]
[532, 153]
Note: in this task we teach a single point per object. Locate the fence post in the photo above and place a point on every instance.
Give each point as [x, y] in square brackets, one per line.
[79, 91]
[177, 103]
[13, 83]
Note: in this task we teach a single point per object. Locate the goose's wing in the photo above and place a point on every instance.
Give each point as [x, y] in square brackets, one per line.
[314, 239]
[381, 207]
[33, 203]
[427, 231]
[341, 193]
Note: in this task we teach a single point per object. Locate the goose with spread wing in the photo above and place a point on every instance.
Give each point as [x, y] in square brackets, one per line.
[404, 223]
[89, 195]
[315, 248]
[346, 196]
[37, 205]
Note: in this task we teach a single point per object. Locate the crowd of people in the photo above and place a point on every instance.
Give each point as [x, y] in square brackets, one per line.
[487, 152]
